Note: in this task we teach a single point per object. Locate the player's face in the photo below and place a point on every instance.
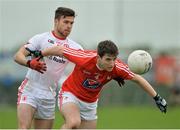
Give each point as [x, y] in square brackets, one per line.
[106, 62]
[63, 26]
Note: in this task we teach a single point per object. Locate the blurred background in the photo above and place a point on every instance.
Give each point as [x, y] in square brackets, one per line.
[151, 25]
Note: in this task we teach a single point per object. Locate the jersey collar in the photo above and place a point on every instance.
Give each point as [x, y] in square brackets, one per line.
[99, 68]
[53, 33]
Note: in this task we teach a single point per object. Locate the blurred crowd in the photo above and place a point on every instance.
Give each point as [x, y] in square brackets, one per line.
[167, 73]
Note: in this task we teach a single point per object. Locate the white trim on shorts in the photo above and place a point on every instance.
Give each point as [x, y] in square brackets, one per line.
[88, 111]
[45, 107]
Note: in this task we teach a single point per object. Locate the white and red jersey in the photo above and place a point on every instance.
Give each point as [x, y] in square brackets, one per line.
[55, 64]
[86, 80]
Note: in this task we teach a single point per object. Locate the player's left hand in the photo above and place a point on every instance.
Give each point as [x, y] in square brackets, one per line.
[161, 103]
[37, 65]
[120, 81]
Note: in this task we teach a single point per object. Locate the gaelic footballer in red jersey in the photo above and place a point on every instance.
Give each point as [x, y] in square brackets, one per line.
[90, 77]
[93, 69]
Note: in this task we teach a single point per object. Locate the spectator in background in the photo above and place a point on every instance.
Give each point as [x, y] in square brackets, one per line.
[36, 94]
[167, 73]
[175, 90]
[164, 69]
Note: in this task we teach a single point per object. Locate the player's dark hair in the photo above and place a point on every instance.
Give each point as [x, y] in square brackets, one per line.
[63, 11]
[107, 47]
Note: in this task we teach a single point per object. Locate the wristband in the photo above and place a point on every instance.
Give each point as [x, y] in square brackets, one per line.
[156, 97]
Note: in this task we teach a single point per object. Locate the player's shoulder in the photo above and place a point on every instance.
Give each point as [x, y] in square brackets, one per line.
[40, 36]
[120, 63]
[122, 69]
[73, 44]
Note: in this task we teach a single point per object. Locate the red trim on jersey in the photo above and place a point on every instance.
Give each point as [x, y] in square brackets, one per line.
[125, 69]
[79, 53]
[57, 36]
[122, 66]
[60, 99]
[20, 89]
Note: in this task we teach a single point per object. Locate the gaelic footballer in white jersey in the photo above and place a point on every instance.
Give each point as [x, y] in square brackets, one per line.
[55, 64]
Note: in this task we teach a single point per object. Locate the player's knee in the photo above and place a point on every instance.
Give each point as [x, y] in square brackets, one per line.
[24, 126]
[74, 123]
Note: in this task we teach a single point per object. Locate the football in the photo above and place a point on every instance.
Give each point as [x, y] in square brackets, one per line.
[139, 61]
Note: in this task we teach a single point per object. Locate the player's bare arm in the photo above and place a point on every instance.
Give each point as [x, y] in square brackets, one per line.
[20, 56]
[160, 102]
[144, 84]
[55, 50]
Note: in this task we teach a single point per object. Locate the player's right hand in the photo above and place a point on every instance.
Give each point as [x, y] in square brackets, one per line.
[37, 53]
[37, 65]
[120, 81]
[161, 103]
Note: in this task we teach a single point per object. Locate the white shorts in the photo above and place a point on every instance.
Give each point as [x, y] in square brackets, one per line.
[42, 100]
[88, 111]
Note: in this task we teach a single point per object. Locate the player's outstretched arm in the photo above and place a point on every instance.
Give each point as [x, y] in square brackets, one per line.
[144, 84]
[160, 102]
[54, 50]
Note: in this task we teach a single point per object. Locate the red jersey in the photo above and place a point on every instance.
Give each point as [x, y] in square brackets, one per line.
[86, 80]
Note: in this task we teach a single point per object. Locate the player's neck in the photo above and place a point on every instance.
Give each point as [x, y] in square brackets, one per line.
[57, 35]
[99, 66]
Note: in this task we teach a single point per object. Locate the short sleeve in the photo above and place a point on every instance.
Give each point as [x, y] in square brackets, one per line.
[79, 57]
[34, 43]
[123, 71]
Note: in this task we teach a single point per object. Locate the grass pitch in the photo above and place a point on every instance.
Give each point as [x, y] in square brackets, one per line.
[142, 117]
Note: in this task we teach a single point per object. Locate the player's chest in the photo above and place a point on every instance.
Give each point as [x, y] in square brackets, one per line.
[96, 75]
[49, 43]
[94, 80]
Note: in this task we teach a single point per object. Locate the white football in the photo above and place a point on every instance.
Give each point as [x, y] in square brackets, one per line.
[139, 61]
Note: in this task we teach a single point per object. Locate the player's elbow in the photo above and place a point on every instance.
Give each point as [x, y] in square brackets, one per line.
[15, 58]
[137, 78]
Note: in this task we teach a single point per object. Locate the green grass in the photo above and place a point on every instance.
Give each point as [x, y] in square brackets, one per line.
[114, 117]
[138, 117]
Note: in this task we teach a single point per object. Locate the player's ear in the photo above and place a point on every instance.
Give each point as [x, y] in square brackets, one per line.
[55, 21]
[98, 57]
